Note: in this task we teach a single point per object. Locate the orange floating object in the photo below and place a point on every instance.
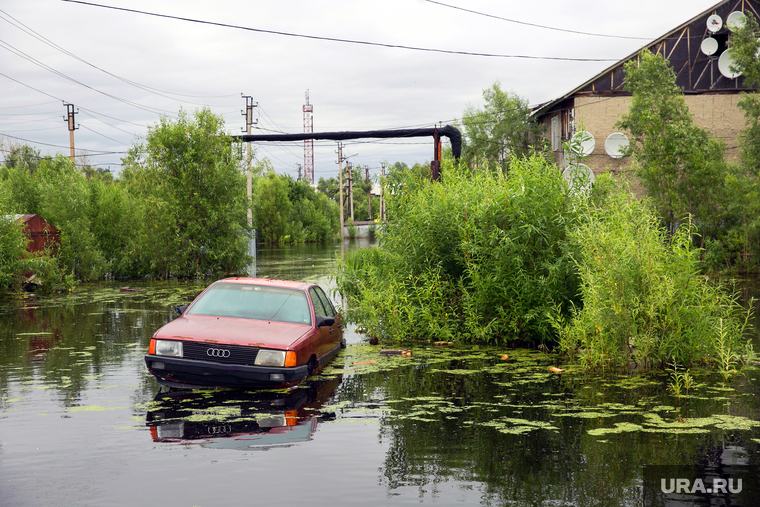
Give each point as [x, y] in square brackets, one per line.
[555, 369]
[366, 362]
[505, 357]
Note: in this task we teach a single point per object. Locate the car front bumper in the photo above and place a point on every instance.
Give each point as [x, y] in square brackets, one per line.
[189, 373]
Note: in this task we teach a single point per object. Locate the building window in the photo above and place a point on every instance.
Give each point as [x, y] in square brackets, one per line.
[556, 135]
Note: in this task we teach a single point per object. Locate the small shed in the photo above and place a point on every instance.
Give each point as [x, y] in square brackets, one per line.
[42, 234]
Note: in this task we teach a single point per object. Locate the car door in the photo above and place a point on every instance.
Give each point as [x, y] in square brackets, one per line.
[325, 334]
[337, 328]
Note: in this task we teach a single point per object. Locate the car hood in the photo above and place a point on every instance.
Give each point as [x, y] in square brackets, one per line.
[233, 331]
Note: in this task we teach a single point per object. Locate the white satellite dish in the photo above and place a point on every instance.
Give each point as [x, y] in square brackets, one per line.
[616, 144]
[724, 65]
[714, 23]
[587, 142]
[579, 177]
[709, 46]
[736, 20]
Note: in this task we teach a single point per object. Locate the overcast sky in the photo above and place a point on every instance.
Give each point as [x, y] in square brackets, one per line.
[123, 70]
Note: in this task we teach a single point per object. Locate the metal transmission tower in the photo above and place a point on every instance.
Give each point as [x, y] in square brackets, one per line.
[308, 144]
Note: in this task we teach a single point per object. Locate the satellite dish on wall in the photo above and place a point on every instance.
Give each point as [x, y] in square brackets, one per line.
[709, 46]
[587, 142]
[714, 23]
[579, 177]
[616, 144]
[724, 65]
[736, 20]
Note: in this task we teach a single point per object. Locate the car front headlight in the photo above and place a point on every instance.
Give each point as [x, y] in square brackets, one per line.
[168, 348]
[267, 357]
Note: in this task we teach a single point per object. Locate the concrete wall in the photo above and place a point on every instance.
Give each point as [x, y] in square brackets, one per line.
[362, 229]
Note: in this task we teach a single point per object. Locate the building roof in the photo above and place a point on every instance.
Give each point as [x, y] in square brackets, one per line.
[616, 70]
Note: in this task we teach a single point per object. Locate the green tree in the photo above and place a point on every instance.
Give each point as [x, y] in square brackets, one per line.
[313, 217]
[66, 205]
[271, 207]
[24, 157]
[680, 164]
[469, 258]
[502, 130]
[188, 175]
[745, 47]
[12, 248]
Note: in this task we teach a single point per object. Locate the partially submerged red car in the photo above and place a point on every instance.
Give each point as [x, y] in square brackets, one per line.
[247, 333]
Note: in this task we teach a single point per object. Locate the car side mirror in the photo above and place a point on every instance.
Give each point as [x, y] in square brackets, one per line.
[180, 309]
[325, 321]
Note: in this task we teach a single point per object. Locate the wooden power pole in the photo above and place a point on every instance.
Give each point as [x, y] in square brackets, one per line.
[69, 118]
[369, 194]
[340, 188]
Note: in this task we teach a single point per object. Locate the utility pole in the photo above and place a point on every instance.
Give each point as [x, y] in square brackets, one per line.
[72, 127]
[369, 194]
[249, 120]
[340, 189]
[299, 171]
[350, 174]
[382, 192]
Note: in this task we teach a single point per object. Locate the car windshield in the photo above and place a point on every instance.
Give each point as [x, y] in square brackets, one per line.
[253, 302]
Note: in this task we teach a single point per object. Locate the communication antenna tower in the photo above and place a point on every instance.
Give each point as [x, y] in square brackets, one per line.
[308, 145]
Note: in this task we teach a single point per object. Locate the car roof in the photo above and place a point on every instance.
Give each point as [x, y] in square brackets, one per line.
[289, 284]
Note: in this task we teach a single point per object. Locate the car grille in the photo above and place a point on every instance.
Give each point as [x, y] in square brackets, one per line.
[238, 354]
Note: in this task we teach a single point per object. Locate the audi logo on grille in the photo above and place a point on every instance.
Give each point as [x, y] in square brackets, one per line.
[217, 352]
[216, 430]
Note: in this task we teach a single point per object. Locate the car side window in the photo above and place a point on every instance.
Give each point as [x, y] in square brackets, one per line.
[326, 303]
[319, 309]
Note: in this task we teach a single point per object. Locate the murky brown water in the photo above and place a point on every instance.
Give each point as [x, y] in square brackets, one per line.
[83, 423]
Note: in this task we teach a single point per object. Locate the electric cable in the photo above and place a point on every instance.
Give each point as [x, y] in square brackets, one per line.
[345, 41]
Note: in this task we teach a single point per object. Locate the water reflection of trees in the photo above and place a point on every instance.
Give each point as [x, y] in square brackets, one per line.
[566, 465]
[67, 342]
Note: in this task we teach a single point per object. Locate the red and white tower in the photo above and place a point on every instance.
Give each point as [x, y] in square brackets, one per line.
[308, 144]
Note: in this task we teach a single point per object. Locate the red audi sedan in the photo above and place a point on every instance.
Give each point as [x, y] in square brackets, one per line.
[247, 333]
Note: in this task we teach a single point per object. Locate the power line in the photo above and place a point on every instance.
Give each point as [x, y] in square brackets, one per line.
[91, 152]
[536, 25]
[52, 44]
[102, 135]
[58, 73]
[346, 41]
[24, 107]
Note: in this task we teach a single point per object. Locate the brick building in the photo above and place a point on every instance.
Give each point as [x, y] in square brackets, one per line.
[697, 51]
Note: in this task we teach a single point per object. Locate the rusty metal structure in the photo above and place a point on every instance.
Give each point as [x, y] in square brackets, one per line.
[41, 233]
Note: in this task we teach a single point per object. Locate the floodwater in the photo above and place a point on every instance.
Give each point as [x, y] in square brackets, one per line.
[83, 423]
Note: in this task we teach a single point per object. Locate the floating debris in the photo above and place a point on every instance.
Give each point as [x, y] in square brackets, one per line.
[394, 352]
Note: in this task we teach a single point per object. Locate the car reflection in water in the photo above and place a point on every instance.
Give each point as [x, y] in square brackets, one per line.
[244, 420]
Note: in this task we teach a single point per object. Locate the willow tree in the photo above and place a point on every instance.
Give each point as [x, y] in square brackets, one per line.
[193, 192]
[501, 130]
[680, 164]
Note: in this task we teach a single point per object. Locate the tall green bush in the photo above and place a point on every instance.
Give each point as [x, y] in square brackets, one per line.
[644, 302]
[479, 257]
[187, 174]
[12, 248]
